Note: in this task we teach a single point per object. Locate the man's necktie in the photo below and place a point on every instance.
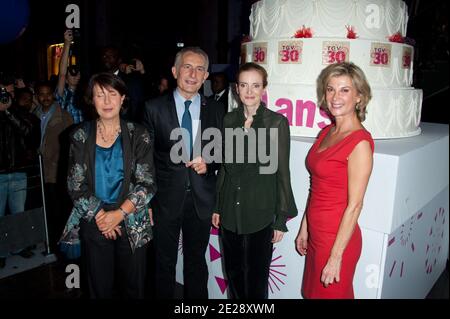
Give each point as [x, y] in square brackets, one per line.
[217, 97]
[186, 123]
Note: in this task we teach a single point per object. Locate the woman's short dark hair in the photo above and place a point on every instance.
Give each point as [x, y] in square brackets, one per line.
[105, 80]
[250, 66]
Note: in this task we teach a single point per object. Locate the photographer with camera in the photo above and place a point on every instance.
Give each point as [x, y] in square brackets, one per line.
[135, 65]
[55, 123]
[68, 80]
[133, 74]
[16, 128]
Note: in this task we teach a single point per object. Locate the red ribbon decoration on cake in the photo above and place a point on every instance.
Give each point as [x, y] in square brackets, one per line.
[246, 38]
[303, 33]
[351, 34]
[397, 37]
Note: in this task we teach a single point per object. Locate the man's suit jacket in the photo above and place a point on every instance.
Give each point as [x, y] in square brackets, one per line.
[160, 118]
[134, 105]
[222, 100]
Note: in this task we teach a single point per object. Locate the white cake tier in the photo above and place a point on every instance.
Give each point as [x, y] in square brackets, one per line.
[392, 113]
[371, 19]
[299, 61]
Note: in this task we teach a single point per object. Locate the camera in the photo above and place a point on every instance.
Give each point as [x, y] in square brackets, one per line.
[73, 70]
[5, 96]
[76, 35]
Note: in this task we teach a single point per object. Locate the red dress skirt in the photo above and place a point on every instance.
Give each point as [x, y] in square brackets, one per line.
[328, 200]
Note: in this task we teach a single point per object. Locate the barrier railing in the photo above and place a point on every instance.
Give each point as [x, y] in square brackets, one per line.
[22, 229]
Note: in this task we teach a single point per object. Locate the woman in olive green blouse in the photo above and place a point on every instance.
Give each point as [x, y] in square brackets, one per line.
[254, 195]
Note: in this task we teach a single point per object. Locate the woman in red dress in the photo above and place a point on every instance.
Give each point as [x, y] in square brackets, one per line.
[340, 164]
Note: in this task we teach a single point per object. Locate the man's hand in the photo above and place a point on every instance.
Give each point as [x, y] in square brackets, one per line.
[4, 107]
[126, 68]
[19, 83]
[129, 68]
[68, 37]
[139, 66]
[198, 165]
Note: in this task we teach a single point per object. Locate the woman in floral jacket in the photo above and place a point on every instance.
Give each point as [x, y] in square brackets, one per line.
[111, 183]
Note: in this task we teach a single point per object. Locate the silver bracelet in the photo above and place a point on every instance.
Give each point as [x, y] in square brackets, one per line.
[124, 213]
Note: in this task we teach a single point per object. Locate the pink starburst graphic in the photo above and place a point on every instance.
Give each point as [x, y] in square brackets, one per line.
[405, 241]
[391, 241]
[275, 275]
[405, 234]
[435, 236]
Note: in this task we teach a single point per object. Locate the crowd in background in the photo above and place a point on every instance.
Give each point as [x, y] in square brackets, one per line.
[37, 116]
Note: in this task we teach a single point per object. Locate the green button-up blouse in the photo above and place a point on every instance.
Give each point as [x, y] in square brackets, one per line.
[250, 199]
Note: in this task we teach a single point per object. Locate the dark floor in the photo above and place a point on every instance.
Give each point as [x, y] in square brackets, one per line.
[48, 281]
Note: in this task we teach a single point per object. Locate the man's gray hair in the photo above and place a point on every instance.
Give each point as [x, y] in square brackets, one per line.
[195, 50]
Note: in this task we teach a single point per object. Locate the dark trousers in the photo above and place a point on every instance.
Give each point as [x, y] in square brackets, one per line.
[247, 263]
[195, 241]
[106, 260]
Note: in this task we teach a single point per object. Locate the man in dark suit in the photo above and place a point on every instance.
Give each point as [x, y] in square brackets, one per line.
[186, 190]
[133, 74]
[220, 87]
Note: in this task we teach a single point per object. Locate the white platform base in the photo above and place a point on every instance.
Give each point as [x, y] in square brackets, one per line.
[404, 223]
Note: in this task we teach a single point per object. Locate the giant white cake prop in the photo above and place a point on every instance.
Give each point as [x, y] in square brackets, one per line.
[293, 64]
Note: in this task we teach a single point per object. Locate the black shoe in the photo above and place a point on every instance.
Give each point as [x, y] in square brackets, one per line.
[26, 253]
[2, 262]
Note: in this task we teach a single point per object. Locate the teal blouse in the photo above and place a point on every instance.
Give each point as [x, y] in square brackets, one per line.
[109, 172]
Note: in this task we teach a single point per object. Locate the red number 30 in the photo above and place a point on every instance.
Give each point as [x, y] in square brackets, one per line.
[336, 56]
[260, 55]
[289, 55]
[381, 58]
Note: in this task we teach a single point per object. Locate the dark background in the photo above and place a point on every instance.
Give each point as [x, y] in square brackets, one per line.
[150, 30]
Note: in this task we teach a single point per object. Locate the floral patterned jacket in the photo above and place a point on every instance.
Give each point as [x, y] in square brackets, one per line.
[138, 185]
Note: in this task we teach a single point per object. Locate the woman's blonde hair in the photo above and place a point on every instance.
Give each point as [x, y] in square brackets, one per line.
[359, 82]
